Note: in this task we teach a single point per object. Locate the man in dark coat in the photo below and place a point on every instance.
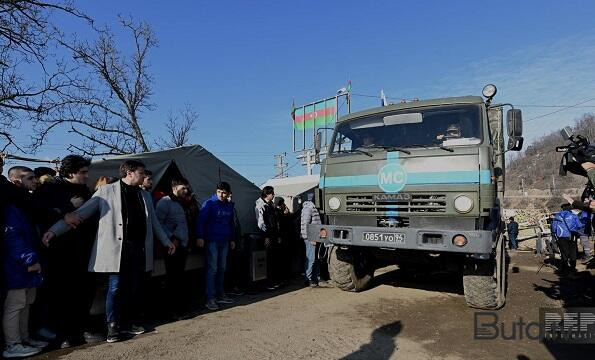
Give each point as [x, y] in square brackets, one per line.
[70, 288]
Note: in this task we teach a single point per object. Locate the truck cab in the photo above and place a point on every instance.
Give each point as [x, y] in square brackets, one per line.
[417, 184]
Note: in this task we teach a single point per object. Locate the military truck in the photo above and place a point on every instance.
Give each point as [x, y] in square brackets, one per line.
[419, 184]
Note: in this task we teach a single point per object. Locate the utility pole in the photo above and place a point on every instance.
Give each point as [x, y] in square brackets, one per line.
[554, 183]
[280, 165]
[523, 187]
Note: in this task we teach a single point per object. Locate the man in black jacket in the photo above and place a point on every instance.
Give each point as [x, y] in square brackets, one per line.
[268, 223]
[70, 287]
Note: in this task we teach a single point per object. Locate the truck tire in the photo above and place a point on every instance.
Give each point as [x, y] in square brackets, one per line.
[350, 270]
[484, 281]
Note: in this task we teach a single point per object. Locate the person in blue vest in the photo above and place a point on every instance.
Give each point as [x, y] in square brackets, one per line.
[216, 231]
[565, 226]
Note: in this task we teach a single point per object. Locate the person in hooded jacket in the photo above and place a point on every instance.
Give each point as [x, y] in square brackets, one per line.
[216, 232]
[564, 226]
[21, 270]
[310, 215]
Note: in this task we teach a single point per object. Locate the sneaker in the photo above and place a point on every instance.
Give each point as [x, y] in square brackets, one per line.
[20, 350]
[235, 292]
[212, 305]
[91, 338]
[36, 343]
[587, 259]
[113, 332]
[273, 287]
[134, 330]
[314, 285]
[46, 333]
[225, 300]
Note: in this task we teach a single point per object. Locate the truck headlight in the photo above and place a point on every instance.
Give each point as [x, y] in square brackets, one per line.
[463, 204]
[334, 203]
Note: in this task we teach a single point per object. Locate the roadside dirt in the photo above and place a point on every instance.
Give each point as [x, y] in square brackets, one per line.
[399, 318]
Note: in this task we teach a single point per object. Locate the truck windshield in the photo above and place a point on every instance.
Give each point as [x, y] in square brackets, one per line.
[445, 127]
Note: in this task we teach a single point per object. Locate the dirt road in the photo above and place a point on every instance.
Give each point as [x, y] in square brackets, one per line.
[399, 318]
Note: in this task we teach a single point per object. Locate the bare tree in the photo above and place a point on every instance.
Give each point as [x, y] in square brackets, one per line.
[105, 109]
[26, 35]
[179, 128]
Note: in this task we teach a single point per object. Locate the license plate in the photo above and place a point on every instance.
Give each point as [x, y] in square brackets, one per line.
[394, 238]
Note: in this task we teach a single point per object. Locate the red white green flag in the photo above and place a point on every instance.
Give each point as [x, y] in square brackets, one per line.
[316, 115]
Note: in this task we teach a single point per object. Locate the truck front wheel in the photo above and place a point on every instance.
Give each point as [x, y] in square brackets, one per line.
[351, 269]
[484, 281]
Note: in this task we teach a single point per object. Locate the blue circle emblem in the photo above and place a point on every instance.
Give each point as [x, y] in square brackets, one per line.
[392, 178]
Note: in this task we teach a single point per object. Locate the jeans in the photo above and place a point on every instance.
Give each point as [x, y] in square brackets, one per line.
[567, 252]
[123, 303]
[216, 262]
[586, 245]
[513, 244]
[311, 267]
[15, 320]
[174, 269]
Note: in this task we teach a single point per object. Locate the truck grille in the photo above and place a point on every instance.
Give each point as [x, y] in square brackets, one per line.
[419, 203]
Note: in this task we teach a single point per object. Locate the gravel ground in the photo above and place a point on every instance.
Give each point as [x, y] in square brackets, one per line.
[399, 318]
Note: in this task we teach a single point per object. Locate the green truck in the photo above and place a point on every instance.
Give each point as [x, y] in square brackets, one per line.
[419, 184]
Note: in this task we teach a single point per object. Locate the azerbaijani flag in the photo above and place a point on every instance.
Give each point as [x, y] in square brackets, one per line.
[315, 115]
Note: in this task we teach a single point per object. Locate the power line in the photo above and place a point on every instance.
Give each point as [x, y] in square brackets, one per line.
[559, 110]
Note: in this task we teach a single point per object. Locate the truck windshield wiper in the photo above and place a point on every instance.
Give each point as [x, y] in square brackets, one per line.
[388, 148]
[428, 147]
[354, 151]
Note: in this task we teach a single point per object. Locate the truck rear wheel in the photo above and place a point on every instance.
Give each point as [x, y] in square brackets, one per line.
[484, 281]
[350, 269]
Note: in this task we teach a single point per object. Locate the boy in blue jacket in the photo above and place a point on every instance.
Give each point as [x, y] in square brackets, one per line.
[564, 226]
[215, 229]
[22, 272]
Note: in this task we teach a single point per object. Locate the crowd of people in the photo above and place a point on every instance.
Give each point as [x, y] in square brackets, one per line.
[60, 240]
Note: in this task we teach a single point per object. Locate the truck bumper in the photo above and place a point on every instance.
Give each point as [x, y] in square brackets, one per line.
[431, 240]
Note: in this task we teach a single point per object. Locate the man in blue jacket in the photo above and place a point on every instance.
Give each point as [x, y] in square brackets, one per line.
[564, 226]
[215, 229]
[22, 272]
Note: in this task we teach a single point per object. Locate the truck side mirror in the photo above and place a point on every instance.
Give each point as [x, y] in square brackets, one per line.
[515, 143]
[514, 122]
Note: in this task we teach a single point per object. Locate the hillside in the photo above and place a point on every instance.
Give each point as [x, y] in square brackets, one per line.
[537, 171]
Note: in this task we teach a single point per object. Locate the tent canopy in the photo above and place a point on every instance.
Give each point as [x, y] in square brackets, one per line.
[293, 186]
[202, 170]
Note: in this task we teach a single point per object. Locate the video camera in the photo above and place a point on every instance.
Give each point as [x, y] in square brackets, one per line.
[576, 153]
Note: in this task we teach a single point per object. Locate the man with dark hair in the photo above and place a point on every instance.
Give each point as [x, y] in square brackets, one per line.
[215, 230]
[147, 184]
[268, 223]
[172, 216]
[69, 287]
[564, 227]
[44, 170]
[513, 231]
[123, 246]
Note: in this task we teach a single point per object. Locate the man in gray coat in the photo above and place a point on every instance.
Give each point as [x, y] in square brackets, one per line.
[123, 247]
[310, 215]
